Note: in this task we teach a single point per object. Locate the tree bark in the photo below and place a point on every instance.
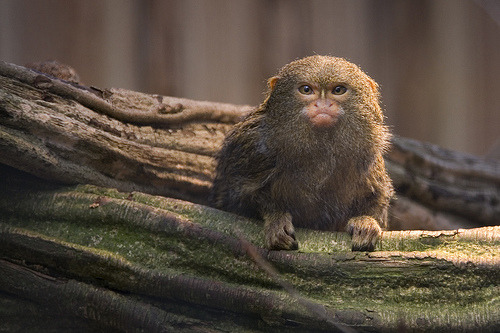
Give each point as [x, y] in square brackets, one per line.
[92, 258]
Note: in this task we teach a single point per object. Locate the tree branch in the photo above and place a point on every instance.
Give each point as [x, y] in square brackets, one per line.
[158, 111]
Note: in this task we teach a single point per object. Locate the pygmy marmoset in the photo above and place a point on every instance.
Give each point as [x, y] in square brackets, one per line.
[311, 155]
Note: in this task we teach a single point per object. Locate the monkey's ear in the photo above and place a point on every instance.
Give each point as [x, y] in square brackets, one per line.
[272, 82]
[375, 100]
[373, 85]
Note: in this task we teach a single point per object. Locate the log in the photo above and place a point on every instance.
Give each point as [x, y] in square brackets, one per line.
[135, 247]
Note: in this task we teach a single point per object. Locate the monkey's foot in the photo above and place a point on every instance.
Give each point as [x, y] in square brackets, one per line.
[364, 231]
[279, 232]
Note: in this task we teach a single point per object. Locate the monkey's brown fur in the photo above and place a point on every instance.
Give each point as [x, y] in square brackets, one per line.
[286, 166]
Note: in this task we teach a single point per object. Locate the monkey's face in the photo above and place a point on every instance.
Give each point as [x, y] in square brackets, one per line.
[322, 103]
[320, 91]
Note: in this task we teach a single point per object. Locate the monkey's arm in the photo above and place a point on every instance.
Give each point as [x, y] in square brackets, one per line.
[366, 228]
[243, 171]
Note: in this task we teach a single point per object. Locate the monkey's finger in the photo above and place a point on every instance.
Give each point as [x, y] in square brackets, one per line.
[365, 232]
[281, 240]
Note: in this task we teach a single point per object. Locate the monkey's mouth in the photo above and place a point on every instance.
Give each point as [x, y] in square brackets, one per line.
[323, 120]
[323, 116]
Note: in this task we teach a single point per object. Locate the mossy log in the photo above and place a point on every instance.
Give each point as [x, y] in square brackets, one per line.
[123, 254]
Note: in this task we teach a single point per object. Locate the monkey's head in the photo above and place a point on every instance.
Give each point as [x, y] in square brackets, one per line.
[319, 91]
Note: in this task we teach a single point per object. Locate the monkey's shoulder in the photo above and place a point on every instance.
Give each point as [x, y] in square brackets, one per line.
[245, 149]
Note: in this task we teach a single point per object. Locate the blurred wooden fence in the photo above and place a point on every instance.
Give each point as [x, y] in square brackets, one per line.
[437, 61]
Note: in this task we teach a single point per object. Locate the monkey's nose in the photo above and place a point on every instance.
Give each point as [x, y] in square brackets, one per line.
[323, 112]
[323, 103]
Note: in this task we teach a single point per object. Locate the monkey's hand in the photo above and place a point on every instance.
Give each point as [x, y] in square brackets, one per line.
[279, 232]
[364, 231]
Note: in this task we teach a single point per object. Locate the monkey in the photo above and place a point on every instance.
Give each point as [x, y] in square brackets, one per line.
[311, 156]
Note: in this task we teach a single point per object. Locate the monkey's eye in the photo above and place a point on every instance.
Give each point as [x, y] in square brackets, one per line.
[306, 90]
[339, 90]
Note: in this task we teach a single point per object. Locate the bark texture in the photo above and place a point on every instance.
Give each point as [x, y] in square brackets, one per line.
[91, 258]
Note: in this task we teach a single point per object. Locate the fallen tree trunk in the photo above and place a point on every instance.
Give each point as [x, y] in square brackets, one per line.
[134, 261]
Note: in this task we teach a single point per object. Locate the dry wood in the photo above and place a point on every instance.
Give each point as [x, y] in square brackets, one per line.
[446, 181]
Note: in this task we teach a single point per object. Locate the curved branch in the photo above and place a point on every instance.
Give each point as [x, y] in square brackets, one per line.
[162, 111]
[446, 181]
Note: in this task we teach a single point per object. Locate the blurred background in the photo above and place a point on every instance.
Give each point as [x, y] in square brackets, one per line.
[437, 62]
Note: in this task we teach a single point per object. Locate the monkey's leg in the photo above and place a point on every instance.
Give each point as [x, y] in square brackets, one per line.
[364, 231]
[279, 231]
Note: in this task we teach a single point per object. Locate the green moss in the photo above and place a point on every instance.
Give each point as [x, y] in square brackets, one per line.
[325, 242]
[210, 218]
[403, 291]
[148, 250]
